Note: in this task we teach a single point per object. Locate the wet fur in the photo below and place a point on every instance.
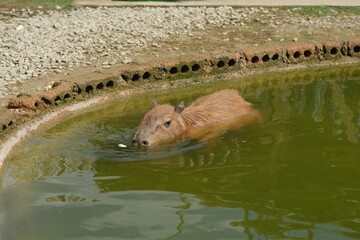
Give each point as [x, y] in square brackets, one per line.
[207, 117]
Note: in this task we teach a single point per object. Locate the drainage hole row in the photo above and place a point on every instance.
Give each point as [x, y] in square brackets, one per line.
[222, 63]
[5, 126]
[185, 69]
[88, 89]
[99, 86]
[298, 54]
[136, 76]
[265, 58]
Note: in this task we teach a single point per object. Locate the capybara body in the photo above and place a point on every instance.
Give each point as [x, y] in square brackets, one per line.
[207, 117]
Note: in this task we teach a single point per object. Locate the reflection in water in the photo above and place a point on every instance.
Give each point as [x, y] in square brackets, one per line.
[294, 176]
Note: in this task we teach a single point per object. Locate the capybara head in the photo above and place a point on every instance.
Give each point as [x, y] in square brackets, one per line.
[161, 124]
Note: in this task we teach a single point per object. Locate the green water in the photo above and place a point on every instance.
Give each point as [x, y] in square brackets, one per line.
[294, 176]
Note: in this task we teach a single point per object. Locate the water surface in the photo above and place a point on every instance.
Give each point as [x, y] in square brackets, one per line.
[294, 176]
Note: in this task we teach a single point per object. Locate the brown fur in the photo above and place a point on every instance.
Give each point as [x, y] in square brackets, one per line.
[207, 117]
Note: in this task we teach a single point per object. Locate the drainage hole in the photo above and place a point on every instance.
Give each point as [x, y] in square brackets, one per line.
[220, 64]
[46, 101]
[4, 127]
[287, 55]
[146, 75]
[110, 83]
[36, 104]
[231, 62]
[195, 67]
[135, 77]
[184, 69]
[307, 53]
[255, 59]
[10, 123]
[265, 58]
[123, 76]
[100, 86]
[173, 70]
[67, 95]
[57, 99]
[357, 49]
[275, 57]
[334, 51]
[89, 89]
[297, 54]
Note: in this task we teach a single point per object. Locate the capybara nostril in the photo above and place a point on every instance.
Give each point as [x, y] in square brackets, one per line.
[145, 143]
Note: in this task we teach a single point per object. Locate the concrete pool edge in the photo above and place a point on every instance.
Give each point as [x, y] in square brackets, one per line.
[28, 113]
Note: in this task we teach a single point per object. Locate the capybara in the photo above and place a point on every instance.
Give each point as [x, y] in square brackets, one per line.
[207, 117]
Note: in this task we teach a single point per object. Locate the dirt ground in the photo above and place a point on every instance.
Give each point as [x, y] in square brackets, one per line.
[220, 3]
[257, 32]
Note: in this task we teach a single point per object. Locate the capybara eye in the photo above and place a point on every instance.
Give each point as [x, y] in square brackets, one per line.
[166, 124]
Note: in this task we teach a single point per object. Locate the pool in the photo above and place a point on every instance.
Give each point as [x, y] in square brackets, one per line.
[293, 176]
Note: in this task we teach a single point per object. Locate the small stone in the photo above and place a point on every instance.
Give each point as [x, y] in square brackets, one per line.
[20, 27]
[127, 60]
[272, 26]
[155, 45]
[295, 39]
[112, 62]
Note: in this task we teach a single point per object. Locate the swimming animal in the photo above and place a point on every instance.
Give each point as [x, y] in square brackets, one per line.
[207, 117]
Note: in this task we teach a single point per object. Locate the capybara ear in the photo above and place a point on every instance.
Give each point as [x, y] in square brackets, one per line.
[179, 108]
[154, 103]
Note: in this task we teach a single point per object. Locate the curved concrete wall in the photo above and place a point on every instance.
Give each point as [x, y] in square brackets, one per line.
[24, 108]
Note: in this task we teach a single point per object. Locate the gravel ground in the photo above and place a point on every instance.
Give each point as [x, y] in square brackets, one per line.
[34, 43]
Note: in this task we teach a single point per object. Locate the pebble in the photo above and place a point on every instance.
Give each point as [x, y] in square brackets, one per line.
[127, 60]
[20, 27]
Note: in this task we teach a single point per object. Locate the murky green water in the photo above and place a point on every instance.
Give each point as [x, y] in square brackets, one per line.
[294, 176]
